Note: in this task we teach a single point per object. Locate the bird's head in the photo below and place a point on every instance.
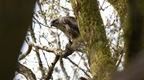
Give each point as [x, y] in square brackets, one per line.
[55, 22]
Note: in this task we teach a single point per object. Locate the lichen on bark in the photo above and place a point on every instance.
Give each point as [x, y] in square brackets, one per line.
[93, 34]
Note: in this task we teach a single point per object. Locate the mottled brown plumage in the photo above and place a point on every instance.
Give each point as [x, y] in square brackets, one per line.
[68, 25]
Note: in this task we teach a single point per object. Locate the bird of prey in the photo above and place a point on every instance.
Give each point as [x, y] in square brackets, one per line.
[69, 26]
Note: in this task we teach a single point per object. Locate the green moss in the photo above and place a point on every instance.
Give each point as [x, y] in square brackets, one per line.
[93, 33]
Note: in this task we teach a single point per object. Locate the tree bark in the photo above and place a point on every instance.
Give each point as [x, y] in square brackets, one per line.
[15, 17]
[93, 34]
[135, 43]
[136, 28]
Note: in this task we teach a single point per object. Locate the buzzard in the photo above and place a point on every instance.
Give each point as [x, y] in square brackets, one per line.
[69, 26]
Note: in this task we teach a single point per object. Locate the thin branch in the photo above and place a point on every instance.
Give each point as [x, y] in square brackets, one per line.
[63, 69]
[45, 58]
[78, 67]
[23, 55]
[45, 48]
[120, 59]
[49, 75]
[29, 75]
[39, 21]
[40, 7]
[37, 52]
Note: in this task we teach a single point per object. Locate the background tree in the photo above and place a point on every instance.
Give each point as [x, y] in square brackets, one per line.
[15, 17]
[135, 40]
[44, 46]
[41, 55]
[134, 56]
[103, 57]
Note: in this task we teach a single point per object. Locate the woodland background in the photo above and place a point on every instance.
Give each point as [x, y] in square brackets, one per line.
[103, 57]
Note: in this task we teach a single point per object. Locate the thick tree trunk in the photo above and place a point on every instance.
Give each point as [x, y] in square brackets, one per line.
[136, 38]
[132, 26]
[15, 17]
[94, 36]
[135, 43]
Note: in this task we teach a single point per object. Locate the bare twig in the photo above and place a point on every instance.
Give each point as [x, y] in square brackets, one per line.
[120, 59]
[37, 53]
[23, 55]
[40, 7]
[63, 69]
[78, 67]
[39, 21]
[52, 67]
[29, 75]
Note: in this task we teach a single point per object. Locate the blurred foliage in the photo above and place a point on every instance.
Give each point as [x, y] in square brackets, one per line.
[101, 34]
